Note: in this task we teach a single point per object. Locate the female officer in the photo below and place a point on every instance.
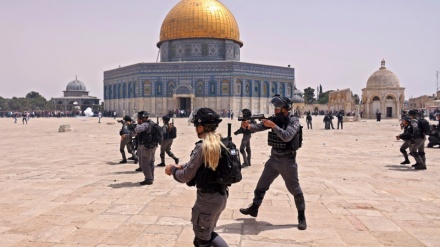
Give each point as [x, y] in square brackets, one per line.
[199, 172]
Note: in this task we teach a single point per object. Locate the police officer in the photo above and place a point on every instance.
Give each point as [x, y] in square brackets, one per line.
[434, 136]
[405, 136]
[245, 146]
[417, 141]
[165, 146]
[200, 171]
[146, 150]
[284, 139]
[340, 117]
[309, 120]
[126, 140]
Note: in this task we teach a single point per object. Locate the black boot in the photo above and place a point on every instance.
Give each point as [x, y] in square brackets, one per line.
[302, 224]
[420, 167]
[252, 210]
[161, 164]
[176, 160]
[124, 161]
[405, 162]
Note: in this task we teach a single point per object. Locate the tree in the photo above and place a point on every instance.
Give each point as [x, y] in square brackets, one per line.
[3, 103]
[33, 95]
[356, 99]
[323, 99]
[309, 95]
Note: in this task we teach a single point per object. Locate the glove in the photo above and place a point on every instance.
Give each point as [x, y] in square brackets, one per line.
[235, 133]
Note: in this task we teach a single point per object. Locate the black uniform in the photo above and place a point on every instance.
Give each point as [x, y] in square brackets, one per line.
[309, 120]
[284, 141]
[417, 143]
[245, 146]
[341, 120]
[210, 202]
[434, 136]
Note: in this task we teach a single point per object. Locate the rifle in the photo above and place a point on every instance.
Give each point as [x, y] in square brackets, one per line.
[255, 116]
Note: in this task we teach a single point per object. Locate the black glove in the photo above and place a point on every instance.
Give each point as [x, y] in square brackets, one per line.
[236, 133]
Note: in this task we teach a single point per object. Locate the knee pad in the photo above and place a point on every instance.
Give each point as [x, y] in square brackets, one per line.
[162, 155]
[403, 150]
[241, 150]
[121, 150]
[422, 154]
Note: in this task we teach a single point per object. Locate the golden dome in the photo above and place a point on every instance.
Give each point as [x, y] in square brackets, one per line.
[199, 19]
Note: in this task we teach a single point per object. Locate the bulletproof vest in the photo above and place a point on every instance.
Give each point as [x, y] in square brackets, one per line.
[276, 142]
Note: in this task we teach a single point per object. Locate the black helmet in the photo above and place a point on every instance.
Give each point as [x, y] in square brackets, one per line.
[246, 112]
[166, 119]
[281, 102]
[205, 116]
[412, 112]
[142, 115]
[408, 119]
[127, 118]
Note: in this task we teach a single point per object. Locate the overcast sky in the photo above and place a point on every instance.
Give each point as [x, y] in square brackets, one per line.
[336, 43]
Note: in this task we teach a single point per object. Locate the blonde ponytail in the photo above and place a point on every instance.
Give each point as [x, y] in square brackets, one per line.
[211, 149]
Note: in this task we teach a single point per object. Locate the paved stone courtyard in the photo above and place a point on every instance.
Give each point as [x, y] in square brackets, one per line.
[67, 189]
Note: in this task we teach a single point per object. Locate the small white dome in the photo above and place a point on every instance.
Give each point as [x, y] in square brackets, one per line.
[383, 78]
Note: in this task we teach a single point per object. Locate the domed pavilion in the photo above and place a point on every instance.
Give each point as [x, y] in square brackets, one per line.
[383, 93]
[199, 48]
[76, 97]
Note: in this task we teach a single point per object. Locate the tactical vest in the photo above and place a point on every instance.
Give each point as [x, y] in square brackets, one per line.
[276, 143]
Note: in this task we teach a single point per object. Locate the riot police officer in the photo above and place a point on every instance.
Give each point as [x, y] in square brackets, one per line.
[309, 120]
[285, 141]
[417, 141]
[126, 140]
[146, 150]
[200, 172]
[405, 136]
[434, 136]
[165, 146]
[245, 146]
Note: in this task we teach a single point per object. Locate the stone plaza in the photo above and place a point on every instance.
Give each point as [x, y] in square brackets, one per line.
[68, 189]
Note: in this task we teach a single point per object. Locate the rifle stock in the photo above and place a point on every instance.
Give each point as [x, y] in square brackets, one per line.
[254, 117]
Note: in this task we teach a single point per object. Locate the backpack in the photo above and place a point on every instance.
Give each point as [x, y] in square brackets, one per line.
[298, 139]
[155, 136]
[229, 167]
[424, 126]
[172, 134]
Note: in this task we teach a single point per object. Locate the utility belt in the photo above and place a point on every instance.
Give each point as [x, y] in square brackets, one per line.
[213, 188]
[281, 154]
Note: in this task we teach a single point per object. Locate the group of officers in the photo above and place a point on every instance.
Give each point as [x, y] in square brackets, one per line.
[414, 138]
[211, 199]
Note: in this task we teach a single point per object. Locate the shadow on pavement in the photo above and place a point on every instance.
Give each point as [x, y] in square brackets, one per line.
[124, 185]
[401, 168]
[251, 227]
[112, 163]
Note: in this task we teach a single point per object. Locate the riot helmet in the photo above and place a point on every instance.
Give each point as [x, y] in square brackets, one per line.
[205, 117]
[281, 102]
[127, 118]
[166, 119]
[142, 115]
[246, 112]
[412, 112]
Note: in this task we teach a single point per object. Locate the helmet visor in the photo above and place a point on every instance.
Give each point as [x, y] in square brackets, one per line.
[277, 102]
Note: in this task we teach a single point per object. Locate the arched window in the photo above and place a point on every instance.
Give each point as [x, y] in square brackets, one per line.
[390, 97]
[159, 88]
[129, 90]
[115, 91]
[200, 88]
[225, 87]
[119, 91]
[147, 88]
[171, 86]
[375, 98]
[212, 87]
[238, 87]
[124, 90]
[266, 89]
